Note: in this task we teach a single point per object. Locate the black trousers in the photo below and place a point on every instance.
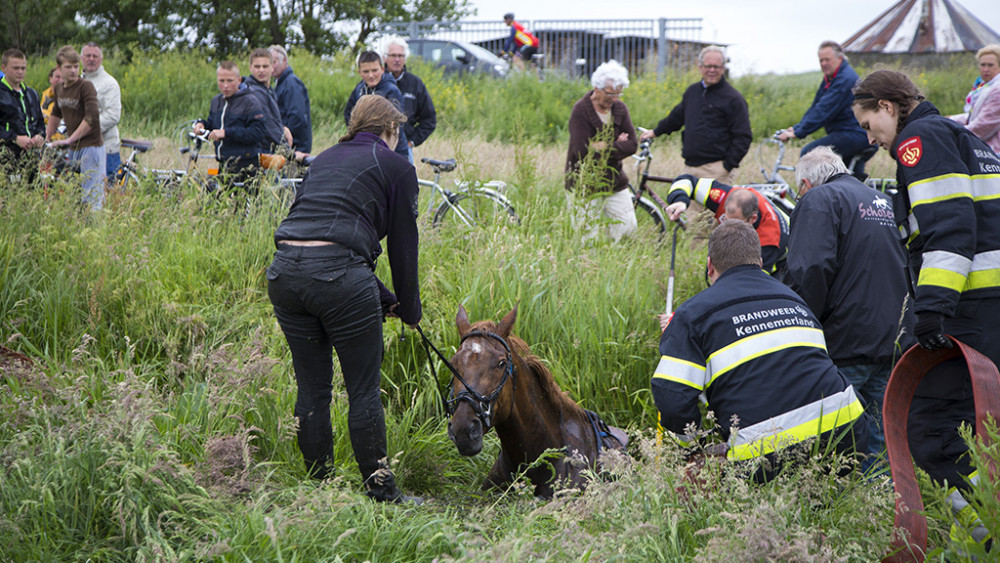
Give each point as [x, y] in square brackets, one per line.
[326, 298]
[943, 400]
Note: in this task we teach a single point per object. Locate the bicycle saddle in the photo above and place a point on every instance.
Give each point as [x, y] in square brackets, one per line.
[443, 165]
[138, 146]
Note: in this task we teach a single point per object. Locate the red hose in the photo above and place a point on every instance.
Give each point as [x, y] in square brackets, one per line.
[909, 542]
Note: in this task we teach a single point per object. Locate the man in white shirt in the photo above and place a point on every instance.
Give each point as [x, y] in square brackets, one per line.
[109, 100]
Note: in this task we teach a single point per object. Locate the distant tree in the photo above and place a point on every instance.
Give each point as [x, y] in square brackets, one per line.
[372, 13]
[317, 21]
[224, 27]
[318, 17]
[36, 26]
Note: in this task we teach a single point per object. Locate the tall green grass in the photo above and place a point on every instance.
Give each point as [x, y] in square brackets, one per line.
[158, 422]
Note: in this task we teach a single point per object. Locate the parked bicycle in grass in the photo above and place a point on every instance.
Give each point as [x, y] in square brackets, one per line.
[750, 204]
[643, 196]
[272, 184]
[780, 192]
[132, 174]
[471, 204]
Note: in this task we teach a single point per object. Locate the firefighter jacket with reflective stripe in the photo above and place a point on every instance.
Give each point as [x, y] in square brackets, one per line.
[846, 261]
[771, 224]
[757, 352]
[950, 188]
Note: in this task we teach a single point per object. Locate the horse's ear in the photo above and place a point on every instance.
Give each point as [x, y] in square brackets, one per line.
[462, 321]
[508, 322]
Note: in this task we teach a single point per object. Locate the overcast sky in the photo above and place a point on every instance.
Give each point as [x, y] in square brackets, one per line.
[765, 35]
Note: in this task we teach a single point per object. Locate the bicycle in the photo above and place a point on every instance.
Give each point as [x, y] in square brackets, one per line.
[781, 193]
[773, 176]
[129, 172]
[653, 204]
[471, 204]
[278, 180]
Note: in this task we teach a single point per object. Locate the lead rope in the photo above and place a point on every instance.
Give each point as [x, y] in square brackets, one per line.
[907, 374]
[428, 346]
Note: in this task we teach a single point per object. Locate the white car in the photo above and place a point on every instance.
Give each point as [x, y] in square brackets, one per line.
[459, 57]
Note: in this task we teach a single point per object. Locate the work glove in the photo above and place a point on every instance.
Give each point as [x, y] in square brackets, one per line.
[929, 331]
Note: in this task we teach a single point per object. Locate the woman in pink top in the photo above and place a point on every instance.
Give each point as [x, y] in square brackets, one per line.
[982, 105]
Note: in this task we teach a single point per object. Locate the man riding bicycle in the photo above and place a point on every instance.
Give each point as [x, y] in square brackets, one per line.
[521, 43]
[831, 110]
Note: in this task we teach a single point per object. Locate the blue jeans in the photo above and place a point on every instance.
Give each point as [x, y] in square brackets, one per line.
[846, 143]
[869, 382]
[92, 164]
[114, 161]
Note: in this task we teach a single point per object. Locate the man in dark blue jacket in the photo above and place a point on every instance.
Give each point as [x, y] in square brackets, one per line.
[293, 100]
[259, 83]
[374, 80]
[715, 119]
[831, 110]
[421, 119]
[22, 126]
[235, 123]
[754, 349]
[846, 261]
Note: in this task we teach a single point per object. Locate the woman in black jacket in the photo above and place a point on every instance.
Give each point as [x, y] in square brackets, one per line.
[948, 186]
[325, 293]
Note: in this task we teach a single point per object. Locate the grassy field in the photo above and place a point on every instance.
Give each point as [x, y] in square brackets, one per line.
[157, 422]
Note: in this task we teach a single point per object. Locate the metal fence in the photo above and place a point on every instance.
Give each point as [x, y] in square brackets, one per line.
[578, 46]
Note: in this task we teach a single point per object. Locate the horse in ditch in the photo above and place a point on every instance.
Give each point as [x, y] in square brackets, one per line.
[498, 383]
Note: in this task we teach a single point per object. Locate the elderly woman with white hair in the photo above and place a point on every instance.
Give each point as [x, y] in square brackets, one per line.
[601, 134]
[982, 105]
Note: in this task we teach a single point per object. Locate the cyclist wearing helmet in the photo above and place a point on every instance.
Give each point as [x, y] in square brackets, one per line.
[521, 43]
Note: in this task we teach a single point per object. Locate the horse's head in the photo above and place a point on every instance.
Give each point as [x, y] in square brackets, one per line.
[482, 393]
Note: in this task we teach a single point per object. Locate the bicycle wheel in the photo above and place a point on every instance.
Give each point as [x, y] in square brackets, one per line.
[649, 217]
[475, 207]
[126, 176]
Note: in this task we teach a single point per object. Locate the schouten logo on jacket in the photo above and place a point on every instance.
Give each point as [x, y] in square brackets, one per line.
[910, 151]
[879, 210]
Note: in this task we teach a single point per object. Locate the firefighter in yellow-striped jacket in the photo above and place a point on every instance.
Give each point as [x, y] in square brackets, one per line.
[949, 209]
[752, 346]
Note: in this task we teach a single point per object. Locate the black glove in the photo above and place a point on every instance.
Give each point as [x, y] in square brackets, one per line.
[929, 331]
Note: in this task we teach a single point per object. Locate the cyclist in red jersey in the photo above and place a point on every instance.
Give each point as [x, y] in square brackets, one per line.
[521, 43]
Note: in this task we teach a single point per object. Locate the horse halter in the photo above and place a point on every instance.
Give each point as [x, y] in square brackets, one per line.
[482, 406]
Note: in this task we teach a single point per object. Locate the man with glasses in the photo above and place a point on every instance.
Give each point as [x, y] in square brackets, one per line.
[421, 119]
[715, 119]
[831, 110]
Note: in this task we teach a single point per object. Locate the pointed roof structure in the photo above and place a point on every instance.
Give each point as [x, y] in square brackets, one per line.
[922, 27]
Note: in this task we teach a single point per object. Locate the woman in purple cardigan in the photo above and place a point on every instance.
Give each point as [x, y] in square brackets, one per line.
[601, 134]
